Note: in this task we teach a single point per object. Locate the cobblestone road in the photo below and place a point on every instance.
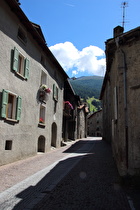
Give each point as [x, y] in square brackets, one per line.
[92, 185]
[79, 176]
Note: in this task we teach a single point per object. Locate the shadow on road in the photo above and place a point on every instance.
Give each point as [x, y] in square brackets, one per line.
[92, 184]
[33, 194]
[76, 148]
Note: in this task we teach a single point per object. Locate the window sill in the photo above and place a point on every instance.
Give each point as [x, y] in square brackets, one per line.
[20, 75]
[12, 120]
[41, 125]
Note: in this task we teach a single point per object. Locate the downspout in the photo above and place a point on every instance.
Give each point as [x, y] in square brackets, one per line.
[125, 98]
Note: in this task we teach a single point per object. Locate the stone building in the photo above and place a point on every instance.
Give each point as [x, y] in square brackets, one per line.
[95, 124]
[71, 102]
[82, 112]
[120, 96]
[74, 115]
[31, 88]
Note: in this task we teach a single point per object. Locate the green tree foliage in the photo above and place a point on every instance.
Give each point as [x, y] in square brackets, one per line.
[89, 88]
[94, 104]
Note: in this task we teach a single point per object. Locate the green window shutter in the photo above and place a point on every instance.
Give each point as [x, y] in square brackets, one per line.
[54, 91]
[26, 74]
[15, 59]
[18, 114]
[4, 103]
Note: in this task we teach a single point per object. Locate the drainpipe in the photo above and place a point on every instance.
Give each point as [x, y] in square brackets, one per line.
[125, 98]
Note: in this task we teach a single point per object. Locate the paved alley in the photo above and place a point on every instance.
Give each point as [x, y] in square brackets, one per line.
[81, 175]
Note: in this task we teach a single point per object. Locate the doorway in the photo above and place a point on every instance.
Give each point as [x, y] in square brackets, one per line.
[54, 135]
[41, 144]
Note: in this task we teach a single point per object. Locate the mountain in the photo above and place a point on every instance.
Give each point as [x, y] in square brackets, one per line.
[87, 86]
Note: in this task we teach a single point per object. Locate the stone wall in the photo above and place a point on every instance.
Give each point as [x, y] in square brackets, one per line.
[120, 96]
[95, 122]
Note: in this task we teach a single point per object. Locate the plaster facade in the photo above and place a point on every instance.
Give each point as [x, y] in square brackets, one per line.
[25, 136]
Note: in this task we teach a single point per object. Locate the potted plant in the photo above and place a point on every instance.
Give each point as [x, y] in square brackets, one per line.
[41, 120]
[43, 93]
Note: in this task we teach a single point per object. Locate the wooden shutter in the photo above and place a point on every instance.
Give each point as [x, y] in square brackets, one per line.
[26, 74]
[15, 59]
[4, 103]
[54, 91]
[18, 114]
[57, 93]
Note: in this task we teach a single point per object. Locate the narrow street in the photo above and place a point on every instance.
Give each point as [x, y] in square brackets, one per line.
[80, 175]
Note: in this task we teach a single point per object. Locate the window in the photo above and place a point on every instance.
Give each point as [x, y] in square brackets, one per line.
[8, 145]
[11, 106]
[22, 35]
[55, 92]
[42, 93]
[42, 98]
[43, 78]
[11, 111]
[42, 114]
[20, 64]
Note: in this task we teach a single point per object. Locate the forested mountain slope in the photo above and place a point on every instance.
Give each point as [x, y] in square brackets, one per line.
[88, 88]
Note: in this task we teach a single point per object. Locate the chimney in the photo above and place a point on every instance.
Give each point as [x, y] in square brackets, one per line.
[118, 31]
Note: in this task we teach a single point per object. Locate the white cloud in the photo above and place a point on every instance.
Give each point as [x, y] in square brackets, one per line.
[74, 73]
[89, 60]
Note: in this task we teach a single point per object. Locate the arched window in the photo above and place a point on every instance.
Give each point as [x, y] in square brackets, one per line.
[41, 144]
[54, 135]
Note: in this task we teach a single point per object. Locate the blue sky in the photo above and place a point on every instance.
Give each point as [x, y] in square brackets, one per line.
[76, 30]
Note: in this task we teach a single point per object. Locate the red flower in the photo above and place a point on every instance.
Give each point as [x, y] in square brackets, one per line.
[41, 120]
[69, 104]
[48, 90]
